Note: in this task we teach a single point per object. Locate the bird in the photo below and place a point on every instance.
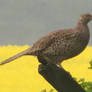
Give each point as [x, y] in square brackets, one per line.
[59, 45]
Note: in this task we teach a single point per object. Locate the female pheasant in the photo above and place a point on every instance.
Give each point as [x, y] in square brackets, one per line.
[61, 44]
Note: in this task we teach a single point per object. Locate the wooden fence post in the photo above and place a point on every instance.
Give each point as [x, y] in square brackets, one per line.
[60, 79]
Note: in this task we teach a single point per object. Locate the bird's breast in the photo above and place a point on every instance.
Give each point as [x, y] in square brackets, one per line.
[77, 44]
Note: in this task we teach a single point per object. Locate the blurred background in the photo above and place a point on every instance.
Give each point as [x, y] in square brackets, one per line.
[25, 21]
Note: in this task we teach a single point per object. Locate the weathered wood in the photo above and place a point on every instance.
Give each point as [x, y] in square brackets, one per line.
[60, 79]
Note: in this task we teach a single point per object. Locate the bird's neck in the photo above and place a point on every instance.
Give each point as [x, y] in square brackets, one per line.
[82, 24]
[81, 27]
[83, 31]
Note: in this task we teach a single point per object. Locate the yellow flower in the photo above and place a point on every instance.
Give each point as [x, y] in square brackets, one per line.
[21, 75]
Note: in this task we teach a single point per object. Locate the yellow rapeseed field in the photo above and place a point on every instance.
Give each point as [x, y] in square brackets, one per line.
[21, 75]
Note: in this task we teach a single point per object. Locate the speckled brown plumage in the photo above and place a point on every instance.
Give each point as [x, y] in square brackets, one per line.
[61, 44]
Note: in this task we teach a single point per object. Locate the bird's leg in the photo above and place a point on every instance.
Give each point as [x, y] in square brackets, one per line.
[59, 65]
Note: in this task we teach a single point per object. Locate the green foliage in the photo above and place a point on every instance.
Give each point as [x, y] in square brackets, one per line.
[44, 90]
[51, 90]
[86, 85]
[90, 65]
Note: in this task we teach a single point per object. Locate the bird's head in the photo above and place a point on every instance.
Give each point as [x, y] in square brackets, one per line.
[85, 18]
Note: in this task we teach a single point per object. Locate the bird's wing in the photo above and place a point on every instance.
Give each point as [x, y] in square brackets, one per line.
[49, 42]
[60, 42]
[43, 42]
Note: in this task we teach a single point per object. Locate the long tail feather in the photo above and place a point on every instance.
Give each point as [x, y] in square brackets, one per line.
[15, 57]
